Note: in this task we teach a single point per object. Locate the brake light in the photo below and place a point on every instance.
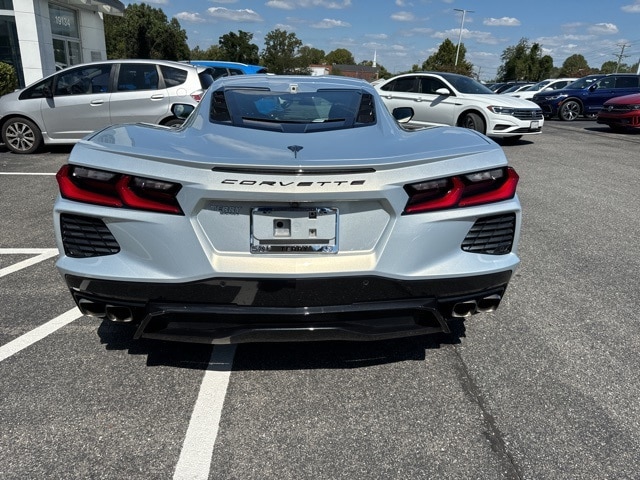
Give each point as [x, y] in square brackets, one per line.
[116, 190]
[468, 190]
[197, 95]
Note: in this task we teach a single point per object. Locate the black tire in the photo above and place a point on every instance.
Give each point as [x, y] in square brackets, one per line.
[174, 122]
[21, 136]
[473, 121]
[569, 111]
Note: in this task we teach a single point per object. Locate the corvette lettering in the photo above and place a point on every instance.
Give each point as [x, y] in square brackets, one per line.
[270, 183]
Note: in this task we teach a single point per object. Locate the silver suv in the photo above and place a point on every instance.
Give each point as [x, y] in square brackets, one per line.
[64, 107]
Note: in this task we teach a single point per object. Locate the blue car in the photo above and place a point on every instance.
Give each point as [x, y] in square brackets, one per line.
[226, 69]
[585, 96]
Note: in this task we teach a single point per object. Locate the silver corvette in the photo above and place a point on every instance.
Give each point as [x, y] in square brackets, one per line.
[287, 208]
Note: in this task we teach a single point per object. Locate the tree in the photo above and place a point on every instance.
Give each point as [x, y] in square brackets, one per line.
[212, 53]
[145, 32]
[8, 78]
[311, 56]
[575, 66]
[444, 60]
[524, 62]
[280, 52]
[238, 48]
[340, 56]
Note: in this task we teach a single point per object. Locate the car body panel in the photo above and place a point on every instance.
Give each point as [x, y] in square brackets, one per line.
[621, 112]
[237, 183]
[420, 91]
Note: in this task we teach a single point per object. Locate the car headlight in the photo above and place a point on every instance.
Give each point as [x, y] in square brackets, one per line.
[501, 110]
[557, 97]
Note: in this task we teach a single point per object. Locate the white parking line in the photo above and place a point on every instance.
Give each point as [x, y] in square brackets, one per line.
[197, 450]
[28, 173]
[40, 254]
[38, 333]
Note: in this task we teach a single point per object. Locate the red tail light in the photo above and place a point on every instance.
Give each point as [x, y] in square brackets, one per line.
[110, 189]
[477, 188]
[197, 95]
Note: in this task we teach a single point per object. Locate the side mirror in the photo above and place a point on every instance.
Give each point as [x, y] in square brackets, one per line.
[402, 114]
[443, 91]
[182, 110]
[46, 91]
[593, 87]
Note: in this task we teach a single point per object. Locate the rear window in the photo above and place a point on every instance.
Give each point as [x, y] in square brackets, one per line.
[173, 76]
[300, 112]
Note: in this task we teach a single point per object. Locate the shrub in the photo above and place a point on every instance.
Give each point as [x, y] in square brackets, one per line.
[8, 78]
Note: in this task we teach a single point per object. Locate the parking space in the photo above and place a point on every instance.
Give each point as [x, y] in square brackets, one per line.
[544, 388]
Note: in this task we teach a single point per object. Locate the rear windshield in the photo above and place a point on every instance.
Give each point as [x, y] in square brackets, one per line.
[299, 112]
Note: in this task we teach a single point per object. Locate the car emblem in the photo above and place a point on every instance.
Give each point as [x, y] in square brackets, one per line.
[610, 107]
[295, 149]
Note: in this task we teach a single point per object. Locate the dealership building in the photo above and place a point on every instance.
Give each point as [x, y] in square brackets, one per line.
[38, 37]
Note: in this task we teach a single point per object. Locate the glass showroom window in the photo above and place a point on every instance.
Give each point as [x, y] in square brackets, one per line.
[66, 37]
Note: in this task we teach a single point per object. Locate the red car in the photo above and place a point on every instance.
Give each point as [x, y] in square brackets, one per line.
[621, 113]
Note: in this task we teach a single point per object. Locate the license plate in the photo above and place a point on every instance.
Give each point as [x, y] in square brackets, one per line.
[535, 125]
[294, 230]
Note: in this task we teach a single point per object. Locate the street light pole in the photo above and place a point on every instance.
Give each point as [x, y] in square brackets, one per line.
[464, 13]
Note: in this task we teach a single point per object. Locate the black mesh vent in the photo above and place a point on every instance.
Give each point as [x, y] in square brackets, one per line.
[491, 235]
[86, 237]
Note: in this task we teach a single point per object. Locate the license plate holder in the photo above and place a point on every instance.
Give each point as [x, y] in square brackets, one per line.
[294, 230]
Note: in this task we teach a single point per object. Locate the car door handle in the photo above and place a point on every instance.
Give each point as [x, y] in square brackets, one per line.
[97, 102]
[157, 96]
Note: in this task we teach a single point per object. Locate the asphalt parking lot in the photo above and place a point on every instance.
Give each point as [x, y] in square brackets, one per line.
[544, 388]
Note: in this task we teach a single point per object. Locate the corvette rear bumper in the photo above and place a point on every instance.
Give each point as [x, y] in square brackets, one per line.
[263, 310]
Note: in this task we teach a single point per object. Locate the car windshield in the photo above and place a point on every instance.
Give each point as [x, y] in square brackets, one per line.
[467, 85]
[297, 111]
[539, 85]
[583, 82]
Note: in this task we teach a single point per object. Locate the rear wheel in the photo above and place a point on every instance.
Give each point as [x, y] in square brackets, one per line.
[21, 136]
[473, 121]
[174, 122]
[569, 111]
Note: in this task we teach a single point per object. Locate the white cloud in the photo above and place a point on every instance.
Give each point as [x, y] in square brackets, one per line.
[190, 17]
[330, 23]
[403, 17]
[292, 4]
[603, 29]
[634, 8]
[501, 22]
[245, 15]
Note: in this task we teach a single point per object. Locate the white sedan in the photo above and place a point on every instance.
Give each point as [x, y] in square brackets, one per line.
[440, 98]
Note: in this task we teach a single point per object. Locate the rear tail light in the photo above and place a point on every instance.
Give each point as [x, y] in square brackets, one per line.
[477, 188]
[110, 189]
[197, 95]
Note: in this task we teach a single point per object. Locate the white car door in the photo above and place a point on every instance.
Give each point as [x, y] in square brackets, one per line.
[433, 105]
[80, 103]
[138, 96]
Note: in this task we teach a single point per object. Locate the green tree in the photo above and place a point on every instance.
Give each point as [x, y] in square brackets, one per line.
[238, 47]
[524, 62]
[340, 56]
[575, 66]
[211, 53]
[8, 78]
[444, 60]
[145, 32]
[311, 56]
[280, 52]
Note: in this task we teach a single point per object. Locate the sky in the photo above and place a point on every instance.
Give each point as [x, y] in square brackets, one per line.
[402, 33]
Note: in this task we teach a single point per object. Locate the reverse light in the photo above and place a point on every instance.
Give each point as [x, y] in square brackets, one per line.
[116, 190]
[468, 190]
